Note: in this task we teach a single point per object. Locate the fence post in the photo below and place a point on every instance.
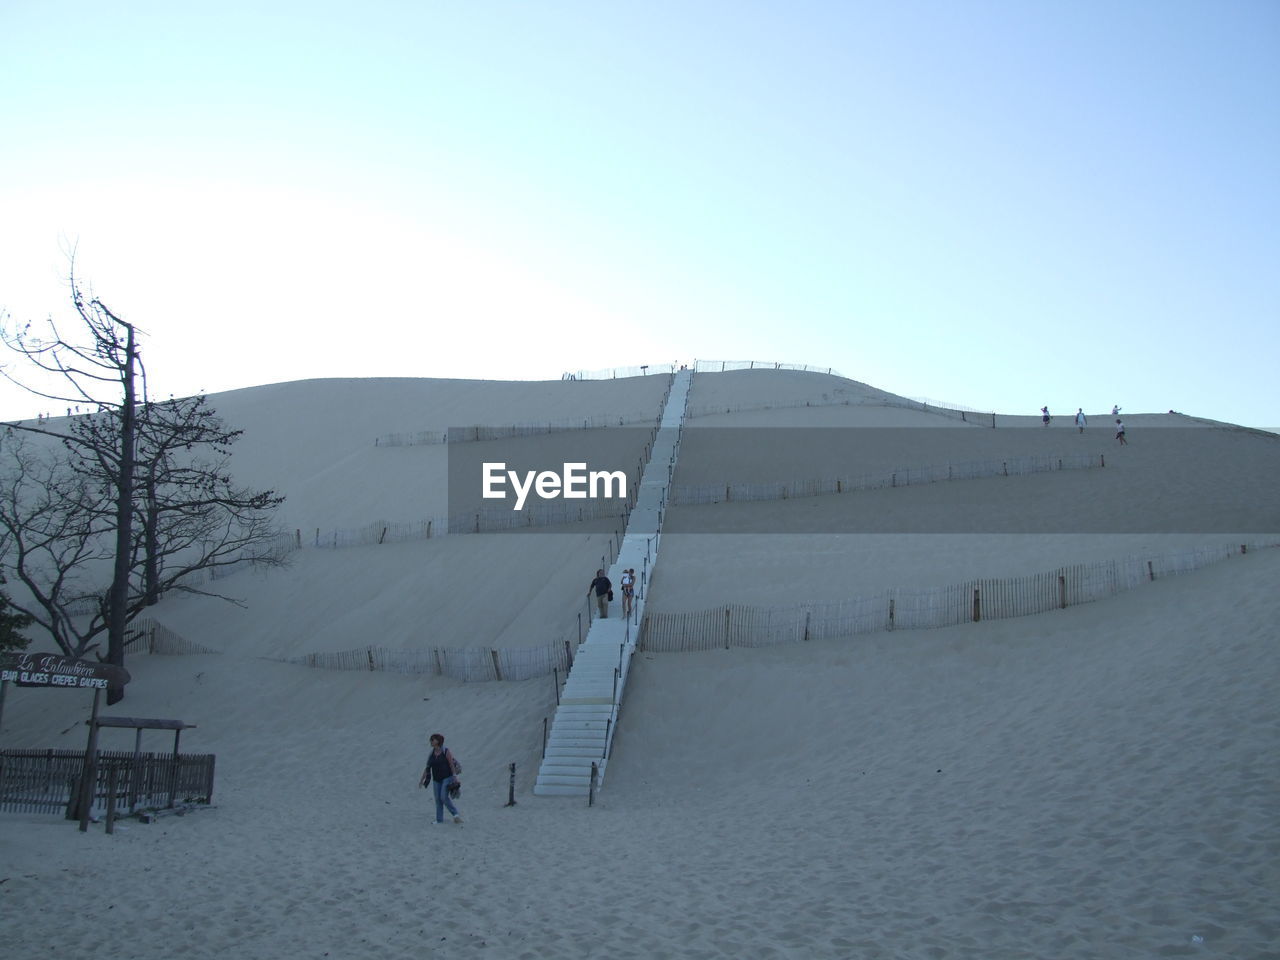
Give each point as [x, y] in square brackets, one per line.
[579, 629]
[544, 738]
[726, 628]
[111, 799]
[497, 666]
[977, 606]
[591, 786]
[297, 537]
[608, 725]
[1151, 573]
[383, 535]
[806, 624]
[1062, 591]
[1244, 548]
[369, 654]
[511, 788]
[555, 672]
[891, 613]
[1102, 457]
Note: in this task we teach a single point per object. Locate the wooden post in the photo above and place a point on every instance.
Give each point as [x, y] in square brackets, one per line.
[111, 800]
[369, 654]
[297, 537]
[726, 628]
[555, 672]
[428, 529]
[134, 777]
[608, 725]
[1102, 458]
[1006, 467]
[807, 614]
[511, 788]
[173, 769]
[383, 535]
[1244, 548]
[497, 664]
[591, 786]
[1062, 591]
[544, 738]
[891, 613]
[977, 606]
[1151, 573]
[90, 769]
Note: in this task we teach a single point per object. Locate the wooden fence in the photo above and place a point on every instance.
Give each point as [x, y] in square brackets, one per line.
[738, 625]
[720, 366]
[45, 781]
[479, 433]
[965, 416]
[489, 520]
[687, 494]
[470, 664]
[147, 635]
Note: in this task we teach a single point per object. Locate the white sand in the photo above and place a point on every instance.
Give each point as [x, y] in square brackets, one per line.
[1108, 777]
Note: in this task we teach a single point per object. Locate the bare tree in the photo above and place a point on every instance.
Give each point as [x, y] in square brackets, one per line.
[107, 359]
[57, 532]
[192, 517]
[136, 475]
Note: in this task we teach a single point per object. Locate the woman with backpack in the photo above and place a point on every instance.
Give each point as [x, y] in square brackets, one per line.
[442, 773]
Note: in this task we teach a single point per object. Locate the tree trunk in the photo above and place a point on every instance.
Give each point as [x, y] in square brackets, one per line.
[150, 570]
[118, 600]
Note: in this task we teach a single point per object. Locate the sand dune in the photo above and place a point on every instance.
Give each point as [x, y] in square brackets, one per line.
[1095, 782]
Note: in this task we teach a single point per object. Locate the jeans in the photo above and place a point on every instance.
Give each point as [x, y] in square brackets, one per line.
[441, 789]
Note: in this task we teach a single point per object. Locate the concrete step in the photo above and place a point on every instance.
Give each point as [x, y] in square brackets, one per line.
[556, 790]
[595, 752]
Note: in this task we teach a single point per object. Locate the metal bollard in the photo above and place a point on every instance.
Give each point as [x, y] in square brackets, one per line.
[511, 788]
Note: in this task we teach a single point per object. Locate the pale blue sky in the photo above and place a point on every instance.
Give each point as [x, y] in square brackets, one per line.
[1001, 204]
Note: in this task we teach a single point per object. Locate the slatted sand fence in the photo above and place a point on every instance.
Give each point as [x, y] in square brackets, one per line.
[470, 664]
[690, 494]
[741, 625]
[148, 635]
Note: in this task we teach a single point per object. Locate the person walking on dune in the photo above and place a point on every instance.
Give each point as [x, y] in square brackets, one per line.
[604, 593]
[1081, 421]
[1120, 432]
[628, 590]
[442, 773]
[1044, 416]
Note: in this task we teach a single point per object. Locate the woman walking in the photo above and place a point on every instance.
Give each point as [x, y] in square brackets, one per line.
[441, 772]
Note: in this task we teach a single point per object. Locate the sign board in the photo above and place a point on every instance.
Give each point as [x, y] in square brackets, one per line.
[55, 670]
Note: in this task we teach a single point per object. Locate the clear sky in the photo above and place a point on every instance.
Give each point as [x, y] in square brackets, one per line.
[1000, 204]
